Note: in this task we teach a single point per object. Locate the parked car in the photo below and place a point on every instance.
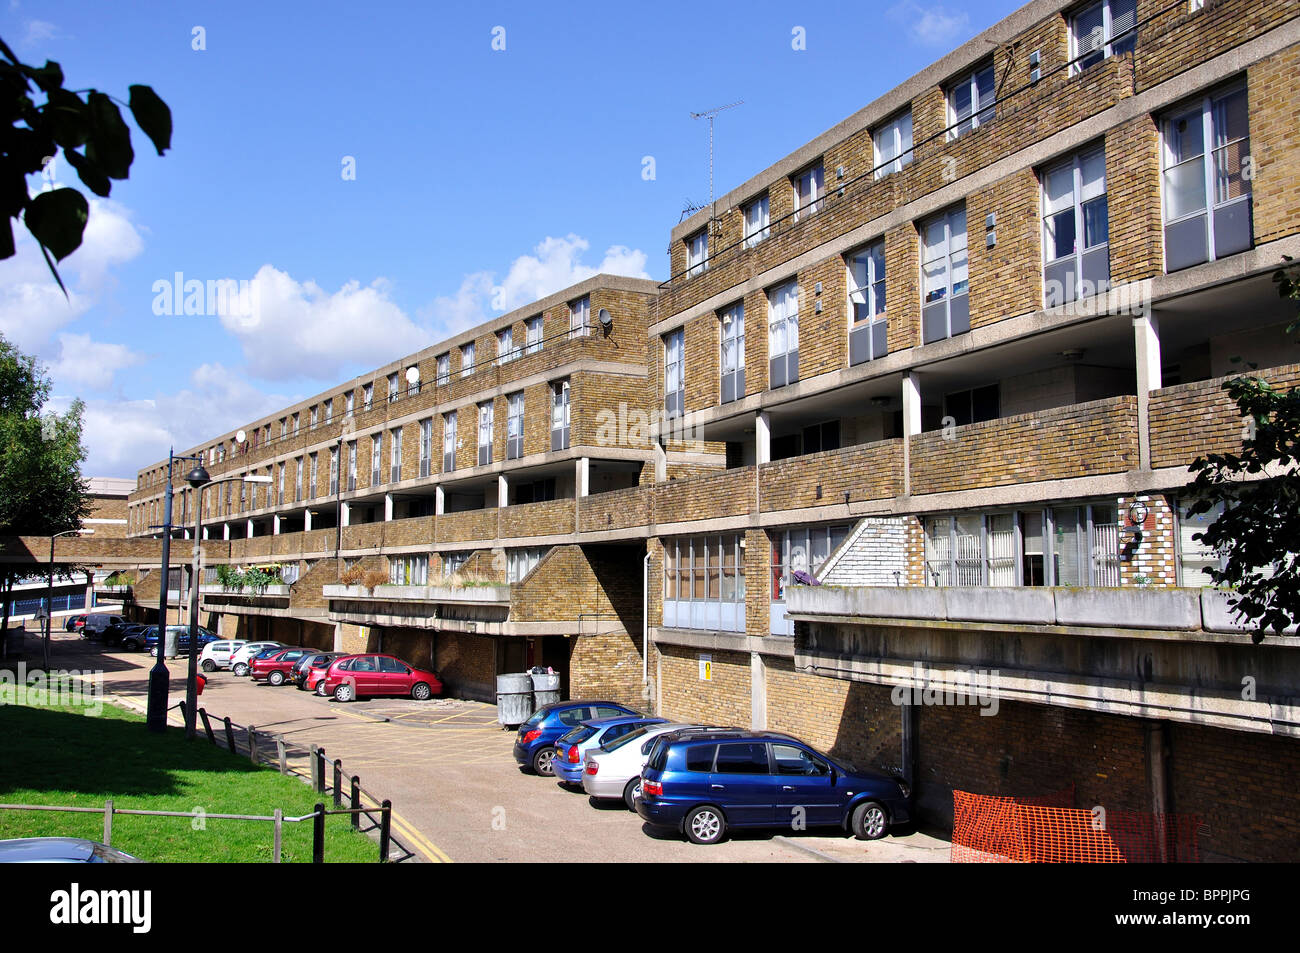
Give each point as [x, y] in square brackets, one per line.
[274, 666]
[182, 633]
[315, 680]
[133, 636]
[535, 743]
[61, 850]
[312, 660]
[245, 654]
[704, 783]
[74, 623]
[217, 654]
[101, 625]
[572, 748]
[370, 674]
[613, 771]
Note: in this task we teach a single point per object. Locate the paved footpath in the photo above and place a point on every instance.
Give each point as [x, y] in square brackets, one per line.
[457, 793]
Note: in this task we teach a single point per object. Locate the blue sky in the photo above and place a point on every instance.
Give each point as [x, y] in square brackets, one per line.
[484, 178]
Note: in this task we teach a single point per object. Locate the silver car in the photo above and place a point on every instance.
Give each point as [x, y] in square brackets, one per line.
[245, 654]
[217, 655]
[614, 771]
[61, 850]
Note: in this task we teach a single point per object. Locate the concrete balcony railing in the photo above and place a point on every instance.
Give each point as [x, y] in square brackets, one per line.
[869, 471]
[1079, 440]
[1182, 610]
[467, 526]
[363, 536]
[549, 518]
[615, 509]
[1190, 420]
[728, 493]
[459, 595]
[280, 591]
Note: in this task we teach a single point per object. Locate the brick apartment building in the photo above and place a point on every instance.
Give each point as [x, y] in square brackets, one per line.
[952, 358]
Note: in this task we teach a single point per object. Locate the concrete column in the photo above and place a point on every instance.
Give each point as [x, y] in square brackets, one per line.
[388, 507]
[908, 714]
[249, 525]
[582, 476]
[225, 531]
[205, 532]
[1157, 758]
[503, 489]
[757, 692]
[306, 520]
[762, 437]
[1146, 340]
[661, 463]
[439, 500]
[338, 637]
[911, 424]
[345, 514]
[275, 525]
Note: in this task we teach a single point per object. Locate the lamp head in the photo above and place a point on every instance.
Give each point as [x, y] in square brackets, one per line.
[197, 477]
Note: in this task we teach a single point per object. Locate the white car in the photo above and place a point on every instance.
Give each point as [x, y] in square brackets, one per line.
[240, 659]
[614, 771]
[217, 655]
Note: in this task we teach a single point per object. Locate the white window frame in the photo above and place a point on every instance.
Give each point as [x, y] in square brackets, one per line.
[329, 410]
[893, 145]
[297, 484]
[352, 465]
[732, 369]
[486, 422]
[392, 387]
[334, 470]
[674, 343]
[395, 454]
[426, 446]
[952, 259]
[868, 323]
[515, 426]
[697, 253]
[579, 317]
[809, 191]
[534, 332]
[467, 359]
[1107, 43]
[979, 115]
[449, 441]
[756, 217]
[377, 459]
[783, 331]
[1080, 202]
[560, 415]
[505, 345]
[368, 396]
[443, 368]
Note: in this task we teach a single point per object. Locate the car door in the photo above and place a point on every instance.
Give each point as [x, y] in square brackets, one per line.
[742, 783]
[393, 677]
[365, 672]
[806, 794]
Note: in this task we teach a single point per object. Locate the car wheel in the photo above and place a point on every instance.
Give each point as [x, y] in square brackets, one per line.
[421, 691]
[870, 821]
[276, 678]
[542, 762]
[131, 645]
[240, 669]
[209, 665]
[320, 688]
[705, 825]
[629, 792]
[343, 692]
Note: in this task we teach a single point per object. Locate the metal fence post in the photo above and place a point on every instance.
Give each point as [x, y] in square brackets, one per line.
[318, 770]
[108, 822]
[207, 725]
[356, 802]
[385, 829]
[283, 755]
[338, 782]
[279, 830]
[252, 744]
[318, 836]
[181, 705]
[230, 736]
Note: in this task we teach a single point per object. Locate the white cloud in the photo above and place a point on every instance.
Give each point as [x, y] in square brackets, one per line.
[40, 31]
[86, 364]
[555, 264]
[931, 24]
[298, 329]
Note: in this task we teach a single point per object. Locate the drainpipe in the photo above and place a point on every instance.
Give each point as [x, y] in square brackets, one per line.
[645, 621]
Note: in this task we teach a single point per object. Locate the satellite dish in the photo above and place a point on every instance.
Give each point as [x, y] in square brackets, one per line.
[606, 319]
[412, 374]
[240, 436]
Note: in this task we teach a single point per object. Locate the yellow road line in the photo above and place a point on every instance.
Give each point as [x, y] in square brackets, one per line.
[419, 841]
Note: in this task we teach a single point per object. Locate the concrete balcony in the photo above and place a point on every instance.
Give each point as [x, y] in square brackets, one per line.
[468, 526]
[549, 518]
[264, 592]
[615, 510]
[869, 471]
[472, 609]
[728, 493]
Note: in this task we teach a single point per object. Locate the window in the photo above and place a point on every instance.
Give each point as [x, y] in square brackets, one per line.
[408, 571]
[756, 222]
[945, 277]
[351, 396]
[579, 314]
[534, 491]
[454, 562]
[505, 348]
[352, 464]
[868, 329]
[515, 426]
[312, 488]
[533, 329]
[376, 459]
[971, 102]
[395, 454]
[485, 415]
[280, 488]
[801, 550]
[1058, 546]
[560, 415]
[808, 191]
[1207, 192]
[334, 470]
[313, 417]
[467, 359]
[284, 427]
[368, 396]
[449, 442]
[1194, 556]
[733, 352]
[822, 436]
[329, 410]
[783, 334]
[1076, 253]
[697, 253]
[297, 482]
[392, 387]
[674, 382]
[893, 143]
[520, 562]
[972, 406]
[742, 758]
[1101, 30]
[704, 582]
[426, 446]
[295, 425]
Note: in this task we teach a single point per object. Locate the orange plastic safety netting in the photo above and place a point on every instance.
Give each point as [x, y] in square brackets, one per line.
[1049, 830]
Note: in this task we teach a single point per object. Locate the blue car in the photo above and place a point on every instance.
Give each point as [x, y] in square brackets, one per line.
[535, 743]
[571, 749]
[704, 783]
[150, 638]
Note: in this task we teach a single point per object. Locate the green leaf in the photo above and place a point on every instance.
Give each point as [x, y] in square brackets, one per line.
[152, 115]
[109, 146]
[90, 173]
[68, 119]
[6, 239]
[49, 77]
[57, 220]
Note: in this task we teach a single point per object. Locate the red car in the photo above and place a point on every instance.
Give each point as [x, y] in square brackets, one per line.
[358, 676]
[275, 668]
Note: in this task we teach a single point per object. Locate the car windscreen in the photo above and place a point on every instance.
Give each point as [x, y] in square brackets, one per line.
[628, 738]
[576, 736]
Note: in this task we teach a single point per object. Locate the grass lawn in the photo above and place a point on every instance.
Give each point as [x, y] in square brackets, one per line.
[60, 755]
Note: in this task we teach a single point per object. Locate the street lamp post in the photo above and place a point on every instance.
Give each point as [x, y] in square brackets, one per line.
[198, 478]
[49, 596]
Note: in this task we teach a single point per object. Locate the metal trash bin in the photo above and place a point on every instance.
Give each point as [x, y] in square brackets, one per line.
[546, 688]
[171, 641]
[514, 699]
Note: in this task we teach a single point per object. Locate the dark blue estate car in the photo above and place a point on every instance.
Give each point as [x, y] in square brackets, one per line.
[705, 782]
[535, 743]
[148, 638]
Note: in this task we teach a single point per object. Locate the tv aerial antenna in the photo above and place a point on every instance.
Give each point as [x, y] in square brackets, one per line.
[709, 114]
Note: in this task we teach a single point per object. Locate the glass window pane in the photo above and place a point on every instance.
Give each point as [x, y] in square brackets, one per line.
[1096, 225]
[1185, 189]
[1061, 239]
[1058, 187]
